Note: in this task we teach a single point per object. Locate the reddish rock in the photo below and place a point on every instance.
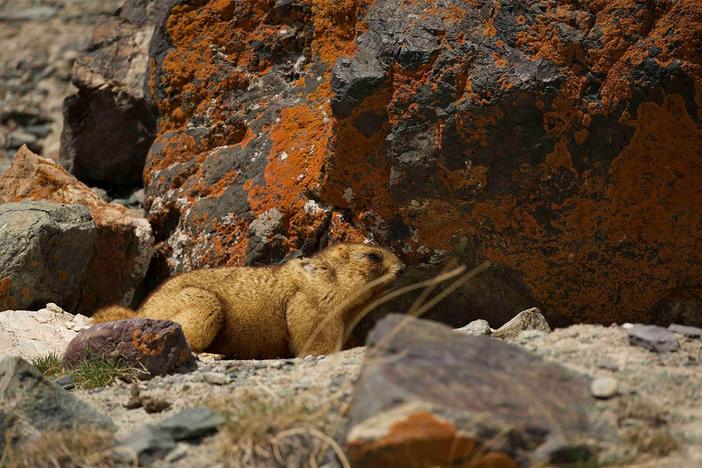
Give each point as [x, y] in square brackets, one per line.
[559, 140]
[123, 241]
[157, 345]
[428, 396]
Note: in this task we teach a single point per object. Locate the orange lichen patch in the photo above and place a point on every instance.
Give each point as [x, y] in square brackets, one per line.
[499, 61]
[423, 440]
[472, 178]
[581, 136]
[148, 344]
[559, 158]
[335, 28]
[358, 172]
[626, 240]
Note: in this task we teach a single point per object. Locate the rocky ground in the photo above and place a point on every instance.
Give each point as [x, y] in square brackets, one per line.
[40, 41]
[598, 392]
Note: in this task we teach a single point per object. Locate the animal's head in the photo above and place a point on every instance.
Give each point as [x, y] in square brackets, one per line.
[357, 269]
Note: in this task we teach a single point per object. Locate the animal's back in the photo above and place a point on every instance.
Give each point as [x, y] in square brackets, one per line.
[252, 302]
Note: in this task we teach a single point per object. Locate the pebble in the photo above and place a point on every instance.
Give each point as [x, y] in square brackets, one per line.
[192, 423]
[215, 378]
[604, 387]
[476, 328]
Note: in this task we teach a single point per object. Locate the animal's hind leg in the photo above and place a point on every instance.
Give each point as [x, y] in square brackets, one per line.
[200, 315]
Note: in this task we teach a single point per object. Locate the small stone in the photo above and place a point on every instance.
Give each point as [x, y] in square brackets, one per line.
[157, 345]
[476, 328]
[604, 387]
[653, 338]
[178, 453]
[192, 423]
[215, 378]
[154, 405]
[530, 319]
[686, 331]
[51, 307]
[67, 382]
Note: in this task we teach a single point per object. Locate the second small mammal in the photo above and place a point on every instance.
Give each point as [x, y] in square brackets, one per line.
[300, 307]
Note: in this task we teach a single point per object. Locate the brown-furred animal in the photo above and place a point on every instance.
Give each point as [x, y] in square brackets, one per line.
[297, 308]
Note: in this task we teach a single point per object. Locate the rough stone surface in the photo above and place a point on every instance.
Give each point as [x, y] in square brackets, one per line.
[653, 338]
[157, 345]
[536, 135]
[476, 328]
[530, 319]
[689, 332]
[145, 444]
[28, 334]
[45, 250]
[108, 125]
[123, 246]
[29, 404]
[403, 415]
[40, 41]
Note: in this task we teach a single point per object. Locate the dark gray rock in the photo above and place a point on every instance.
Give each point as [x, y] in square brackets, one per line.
[653, 338]
[31, 404]
[146, 443]
[192, 423]
[424, 385]
[45, 249]
[108, 125]
[689, 332]
[157, 345]
[67, 382]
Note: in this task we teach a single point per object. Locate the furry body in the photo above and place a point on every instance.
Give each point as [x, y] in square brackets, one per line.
[297, 308]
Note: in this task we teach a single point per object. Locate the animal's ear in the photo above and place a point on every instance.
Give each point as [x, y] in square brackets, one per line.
[308, 265]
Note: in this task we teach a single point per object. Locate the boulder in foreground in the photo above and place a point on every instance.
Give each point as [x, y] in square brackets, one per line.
[428, 396]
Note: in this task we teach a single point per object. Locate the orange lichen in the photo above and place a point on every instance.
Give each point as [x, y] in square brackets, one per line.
[148, 344]
[422, 439]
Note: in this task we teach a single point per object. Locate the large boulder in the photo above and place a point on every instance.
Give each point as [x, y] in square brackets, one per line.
[29, 334]
[123, 242]
[45, 250]
[108, 125]
[560, 140]
[30, 405]
[429, 396]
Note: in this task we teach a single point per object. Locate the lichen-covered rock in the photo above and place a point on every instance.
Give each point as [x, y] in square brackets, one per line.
[45, 249]
[429, 396]
[560, 140]
[108, 125]
[123, 243]
[157, 345]
[29, 334]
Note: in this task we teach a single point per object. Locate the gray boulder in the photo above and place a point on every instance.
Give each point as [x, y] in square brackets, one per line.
[30, 404]
[45, 249]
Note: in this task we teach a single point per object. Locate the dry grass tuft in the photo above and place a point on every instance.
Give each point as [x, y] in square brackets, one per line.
[93, 372]
[264, 431]
[65, 449]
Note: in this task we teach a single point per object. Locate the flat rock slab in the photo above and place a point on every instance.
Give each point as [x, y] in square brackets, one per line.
[427, 396]
[45, 249]
[192, 423]
[29, 334]
[157, 345]
[653, 338]
[31, 404]
[686, 331]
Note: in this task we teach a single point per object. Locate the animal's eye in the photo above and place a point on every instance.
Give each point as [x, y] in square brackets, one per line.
[374, 257]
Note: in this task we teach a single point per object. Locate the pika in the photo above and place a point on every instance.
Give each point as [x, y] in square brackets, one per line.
[300, 307]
